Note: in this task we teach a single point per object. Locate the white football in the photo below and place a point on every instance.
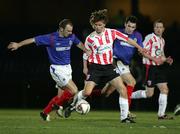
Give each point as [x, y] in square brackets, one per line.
[82, 107]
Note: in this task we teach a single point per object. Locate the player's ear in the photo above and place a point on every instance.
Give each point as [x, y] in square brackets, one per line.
[61, 29]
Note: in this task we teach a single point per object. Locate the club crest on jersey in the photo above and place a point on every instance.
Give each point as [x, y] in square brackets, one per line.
[158, 52]
[135, 39]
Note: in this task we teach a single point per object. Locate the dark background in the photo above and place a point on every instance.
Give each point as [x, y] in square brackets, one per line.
[25, 81]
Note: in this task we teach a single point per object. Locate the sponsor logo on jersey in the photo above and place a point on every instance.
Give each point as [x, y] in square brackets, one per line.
[102, 49]
[58, 44]
[62, 48]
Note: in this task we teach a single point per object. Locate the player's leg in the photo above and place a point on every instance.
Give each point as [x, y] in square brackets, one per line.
[177, 110]
[123, 101]
[163, 97]
[140, 94]
[130, 83]
[68, 92]
[150, 84]
[63, 78]
[107, 90]
[83, 94]
[127, 78]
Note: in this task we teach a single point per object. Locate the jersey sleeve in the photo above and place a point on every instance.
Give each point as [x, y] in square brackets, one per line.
[76, 41]
[88, 43]
[43, 40]
[140, 40]
[147, 43]
[120, 36]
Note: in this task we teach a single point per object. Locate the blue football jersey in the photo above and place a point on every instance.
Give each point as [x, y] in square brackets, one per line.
[124, 51]
[58, 48]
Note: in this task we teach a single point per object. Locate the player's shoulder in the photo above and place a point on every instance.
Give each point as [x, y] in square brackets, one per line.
[91, 35]
[120, 30]
[137, 33]
[149, 36]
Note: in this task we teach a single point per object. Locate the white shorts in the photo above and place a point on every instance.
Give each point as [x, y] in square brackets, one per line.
[61, 74]
[121, 68]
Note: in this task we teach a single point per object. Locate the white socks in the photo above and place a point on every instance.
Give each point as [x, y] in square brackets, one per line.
[77, 97]
[124, 108]
[162, 104]
[139, 94]
[81, 96]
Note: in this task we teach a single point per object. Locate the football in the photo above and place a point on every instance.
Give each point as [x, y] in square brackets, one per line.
[82, 107]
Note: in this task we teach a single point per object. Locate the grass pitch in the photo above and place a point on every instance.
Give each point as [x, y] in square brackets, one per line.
[95, 122]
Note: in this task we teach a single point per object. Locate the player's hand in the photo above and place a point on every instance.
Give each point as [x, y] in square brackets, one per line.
[169, 60]
[159, 61]
[140, 50]
[88, 52]
[143, 51]
[13, 46]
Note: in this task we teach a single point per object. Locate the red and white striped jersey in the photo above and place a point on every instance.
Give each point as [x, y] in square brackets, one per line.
[155, 45]
[101, 45]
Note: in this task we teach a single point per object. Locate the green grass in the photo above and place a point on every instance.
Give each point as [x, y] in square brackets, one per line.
[96, 122]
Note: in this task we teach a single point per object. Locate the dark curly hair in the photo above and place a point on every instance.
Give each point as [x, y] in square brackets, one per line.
[100, 15]
[132, 19]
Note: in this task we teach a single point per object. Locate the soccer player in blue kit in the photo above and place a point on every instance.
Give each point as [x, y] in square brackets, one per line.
[58, 45]
[123, 54]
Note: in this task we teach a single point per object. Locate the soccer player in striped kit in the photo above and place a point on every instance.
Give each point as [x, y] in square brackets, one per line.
[58, 45]
[156, 73]
[100, 42]
[123, 54]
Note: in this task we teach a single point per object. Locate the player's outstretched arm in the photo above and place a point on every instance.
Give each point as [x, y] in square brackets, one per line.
[82, 47]
[133, 43]
[14, 45]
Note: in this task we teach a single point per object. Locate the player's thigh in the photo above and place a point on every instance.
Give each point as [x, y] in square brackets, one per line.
[71, 86]
[119, 85]
[128, 79]
[163, 88]
[108, 89]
